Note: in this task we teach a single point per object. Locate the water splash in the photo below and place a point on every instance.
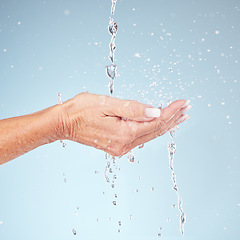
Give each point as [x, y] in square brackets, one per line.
[60, 102]
[171, 153]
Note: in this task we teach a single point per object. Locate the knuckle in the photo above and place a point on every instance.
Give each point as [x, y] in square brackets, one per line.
[133, 109]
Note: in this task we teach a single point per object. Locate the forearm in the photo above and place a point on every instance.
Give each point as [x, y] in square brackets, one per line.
[22, 134]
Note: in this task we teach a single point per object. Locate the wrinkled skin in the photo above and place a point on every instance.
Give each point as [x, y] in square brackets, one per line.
[112, 125]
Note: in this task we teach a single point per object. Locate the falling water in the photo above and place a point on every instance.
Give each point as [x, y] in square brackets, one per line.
[171, 153]
[111, 70]
[60, 102]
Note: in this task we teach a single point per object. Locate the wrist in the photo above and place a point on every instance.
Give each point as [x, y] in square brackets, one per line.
[51, 123]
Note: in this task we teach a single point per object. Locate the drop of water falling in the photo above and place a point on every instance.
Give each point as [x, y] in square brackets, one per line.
[131, 157]
[113, 6]
[120, 223]
[63, 143]
[114, 203]
[131, 217]
[112, 27]
[74, 232]
[111, 86]
[111, 71]
[59, 98]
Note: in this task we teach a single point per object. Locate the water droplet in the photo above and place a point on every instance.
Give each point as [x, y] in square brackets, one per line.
[137, 55]
[141, 146]
[114, 203]
[159, 234]
[111, 71]
[113, 6]
[131, 217]
[153, 188]
[119, 230]
[120, 223]
[74, 232]
[66, 12]
[115, 195]
[111, 86]
[59, 98]
[131, 157]
[168, 219]
[112, 27]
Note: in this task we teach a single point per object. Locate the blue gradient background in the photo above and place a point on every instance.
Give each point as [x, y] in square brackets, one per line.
[186, 49]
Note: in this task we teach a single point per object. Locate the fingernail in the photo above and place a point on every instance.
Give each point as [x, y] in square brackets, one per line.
[186, 103]
[183, 118]
[152, 112]
[187, 109]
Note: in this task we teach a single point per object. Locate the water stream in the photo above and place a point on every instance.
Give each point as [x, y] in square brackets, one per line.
[111, 70]
[171, 154]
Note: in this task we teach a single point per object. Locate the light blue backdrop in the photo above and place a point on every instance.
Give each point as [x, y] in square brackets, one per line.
[166, 50]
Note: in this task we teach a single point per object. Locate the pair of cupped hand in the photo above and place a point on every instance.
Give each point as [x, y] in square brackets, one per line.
[116, 126]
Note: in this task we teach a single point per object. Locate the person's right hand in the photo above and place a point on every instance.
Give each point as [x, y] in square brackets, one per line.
[116, 126]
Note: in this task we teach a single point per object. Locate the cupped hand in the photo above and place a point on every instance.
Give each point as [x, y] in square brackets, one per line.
[116, 126]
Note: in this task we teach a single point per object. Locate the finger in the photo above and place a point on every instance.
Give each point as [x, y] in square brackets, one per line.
[142, 128]
[148, 137]
[131, 110]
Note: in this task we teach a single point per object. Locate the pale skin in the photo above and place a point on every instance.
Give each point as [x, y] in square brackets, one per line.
[112, 125]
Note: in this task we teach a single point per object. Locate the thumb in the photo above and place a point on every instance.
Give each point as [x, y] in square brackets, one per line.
[133, 110]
